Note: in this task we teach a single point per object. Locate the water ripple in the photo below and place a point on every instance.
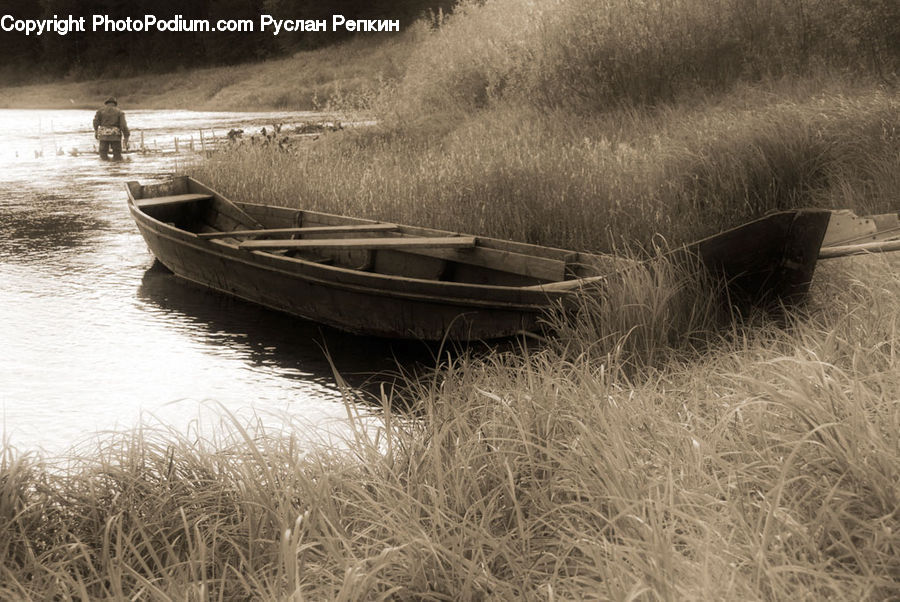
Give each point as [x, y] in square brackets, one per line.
[93, 336]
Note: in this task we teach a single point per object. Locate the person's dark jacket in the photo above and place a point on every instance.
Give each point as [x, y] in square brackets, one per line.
[110, 116]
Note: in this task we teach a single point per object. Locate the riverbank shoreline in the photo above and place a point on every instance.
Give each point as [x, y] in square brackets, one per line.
[655, 449]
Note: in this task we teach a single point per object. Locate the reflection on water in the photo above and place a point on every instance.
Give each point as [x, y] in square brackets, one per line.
[30, 236]
[93, 337]
[270, 342]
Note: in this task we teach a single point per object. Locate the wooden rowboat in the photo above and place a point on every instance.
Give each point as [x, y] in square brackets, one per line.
[399, 281]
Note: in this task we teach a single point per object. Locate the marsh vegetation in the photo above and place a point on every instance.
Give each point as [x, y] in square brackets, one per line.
[648, 452]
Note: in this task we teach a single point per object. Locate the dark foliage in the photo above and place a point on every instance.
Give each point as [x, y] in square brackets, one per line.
[78, 55]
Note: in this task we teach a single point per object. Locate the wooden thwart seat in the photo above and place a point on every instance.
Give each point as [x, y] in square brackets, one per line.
[531, 266]
[175, 199]
[412, 242]
[303, 230]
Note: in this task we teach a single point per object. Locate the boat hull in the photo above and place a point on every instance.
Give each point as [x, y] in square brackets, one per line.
[769, 261]
[497, 290]
[312, 292]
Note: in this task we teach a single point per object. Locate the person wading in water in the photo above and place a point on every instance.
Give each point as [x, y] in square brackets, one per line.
[109, 128]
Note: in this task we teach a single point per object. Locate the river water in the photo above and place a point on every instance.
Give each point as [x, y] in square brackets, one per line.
[95, 337]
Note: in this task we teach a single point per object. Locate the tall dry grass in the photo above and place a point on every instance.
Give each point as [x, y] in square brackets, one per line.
[589, 127]
[764, 465]
[646, 453]
[585, 57]
[596, 183]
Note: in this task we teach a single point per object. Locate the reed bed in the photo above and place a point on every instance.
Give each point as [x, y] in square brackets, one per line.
[658, 448]
[762, 463]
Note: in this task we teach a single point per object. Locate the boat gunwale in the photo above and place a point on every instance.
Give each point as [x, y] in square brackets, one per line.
[543, 293]
[571, 259]
[521, 248]
[216, 247]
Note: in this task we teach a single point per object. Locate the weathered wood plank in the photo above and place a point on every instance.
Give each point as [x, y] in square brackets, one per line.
[303, 230]
[363, 243]
[540, 268]
[175, 199]
[860, 249]
[881, 235]
[886, 221]
[567, 285]
[408, 264]
[544, 264]
[845, 226]
[846, 229]
[225, 207]
[326, 219]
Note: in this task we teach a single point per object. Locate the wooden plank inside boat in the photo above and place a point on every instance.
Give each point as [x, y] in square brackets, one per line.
[540, 268]
[302, 230]
[886, 222]
[845, 227]
[883, 246]
[848, 234]
[175, 199]
[412, 242]
[408, 264]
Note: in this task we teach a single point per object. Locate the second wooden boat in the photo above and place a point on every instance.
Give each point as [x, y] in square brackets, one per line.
[393, 280]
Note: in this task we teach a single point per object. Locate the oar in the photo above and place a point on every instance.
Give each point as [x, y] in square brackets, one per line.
[885, 246]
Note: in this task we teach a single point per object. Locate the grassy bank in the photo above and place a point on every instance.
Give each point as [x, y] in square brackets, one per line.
[598, 182]
[645, 453]
[765, 467]
[565, 125]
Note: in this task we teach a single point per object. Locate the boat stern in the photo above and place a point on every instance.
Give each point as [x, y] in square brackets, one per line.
[769, 261]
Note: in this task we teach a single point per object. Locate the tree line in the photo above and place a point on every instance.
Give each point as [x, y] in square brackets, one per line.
[90, 54]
